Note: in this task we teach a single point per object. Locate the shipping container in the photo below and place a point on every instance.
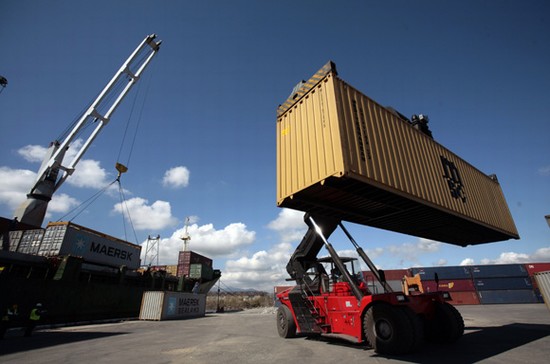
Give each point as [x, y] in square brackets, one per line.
[464, 298]
[507, 283]
[26, 241]
[279, 289]
[533, 268]
[454, 285]
[165, 305]
[201, 271]
[375, 287]
[186, 258]
[507, 296]
[499, 271]
[390, 274]
[67, 238]
[543, 283]
[341, 154]
[443, 272]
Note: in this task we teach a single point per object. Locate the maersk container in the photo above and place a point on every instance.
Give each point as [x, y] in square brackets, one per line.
[507, 296]
[499, 271]
[167, 305]
[67, 238]
[341, 154]
[508, 283]
[443, 272]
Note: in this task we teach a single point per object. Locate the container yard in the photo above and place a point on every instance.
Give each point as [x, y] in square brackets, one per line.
[493, 334]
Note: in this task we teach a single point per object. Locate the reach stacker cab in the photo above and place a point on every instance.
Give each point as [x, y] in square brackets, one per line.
[343, 157]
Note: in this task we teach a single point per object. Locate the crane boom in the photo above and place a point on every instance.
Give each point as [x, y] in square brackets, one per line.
[48, 180]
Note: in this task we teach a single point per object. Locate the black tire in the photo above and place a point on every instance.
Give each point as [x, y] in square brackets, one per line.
[389, 330]
[447, 325]
[418, 328]
[285, 322]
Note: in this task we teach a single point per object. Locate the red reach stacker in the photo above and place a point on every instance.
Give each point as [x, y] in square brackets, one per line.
[343, 157]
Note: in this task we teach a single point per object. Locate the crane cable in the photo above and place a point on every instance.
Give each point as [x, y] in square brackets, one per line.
[123, 168]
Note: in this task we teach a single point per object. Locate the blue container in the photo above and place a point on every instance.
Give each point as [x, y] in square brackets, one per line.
[499, 271]
[507, 296]
[486, 284]
[454, 272]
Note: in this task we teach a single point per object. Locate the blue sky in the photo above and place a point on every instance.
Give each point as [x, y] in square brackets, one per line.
[206, 144]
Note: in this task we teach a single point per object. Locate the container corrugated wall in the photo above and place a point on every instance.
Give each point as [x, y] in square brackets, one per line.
[341, 154]
[499, 271]
[444, 272]
[453, 285]
[507, 296]
[543, 284]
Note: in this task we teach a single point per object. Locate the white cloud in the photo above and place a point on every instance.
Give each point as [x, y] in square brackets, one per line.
[176, 177]
[157, 216]
[409, 253]
[14, 185]
[541, 255]
[289, 224]
[89, 174]
[206, 240]
[267, 268]
[544, 171]
[62, 203]
[508, 258]
[263, 270]
[33, 153]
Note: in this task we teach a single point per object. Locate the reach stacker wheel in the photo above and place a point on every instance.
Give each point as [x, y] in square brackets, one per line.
[285, 322]
[447, 326]
[390, 330]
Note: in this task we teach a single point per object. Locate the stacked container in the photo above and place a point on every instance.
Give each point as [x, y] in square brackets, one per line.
[187, 258]
[503, 283]
[532, 269]
[394, 278]
[455, 279]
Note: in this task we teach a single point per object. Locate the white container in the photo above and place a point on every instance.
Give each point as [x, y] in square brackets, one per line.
[165, 305]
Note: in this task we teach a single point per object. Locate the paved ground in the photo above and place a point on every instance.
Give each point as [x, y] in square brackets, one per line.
[494, 334]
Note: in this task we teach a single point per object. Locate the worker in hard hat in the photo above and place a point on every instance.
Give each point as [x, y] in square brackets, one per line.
[34, 318]
[8, 319]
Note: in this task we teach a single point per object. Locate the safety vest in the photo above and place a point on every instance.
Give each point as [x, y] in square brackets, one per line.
[35, 316]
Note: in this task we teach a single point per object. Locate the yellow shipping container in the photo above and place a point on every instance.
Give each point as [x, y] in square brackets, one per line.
[341, 154]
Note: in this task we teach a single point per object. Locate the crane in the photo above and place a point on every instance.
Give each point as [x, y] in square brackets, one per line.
[186, 236]
[53, 172]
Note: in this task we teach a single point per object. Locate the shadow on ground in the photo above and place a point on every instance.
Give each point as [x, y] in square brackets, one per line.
[15, 342]
[477, 344]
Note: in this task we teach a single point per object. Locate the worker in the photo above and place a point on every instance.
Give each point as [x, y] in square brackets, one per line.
[195, 289]
[9, 317]
[34, 318]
